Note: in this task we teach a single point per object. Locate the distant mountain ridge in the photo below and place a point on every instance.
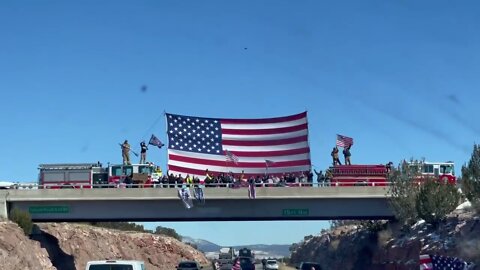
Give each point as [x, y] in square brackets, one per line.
[202, 245]
[266, 250]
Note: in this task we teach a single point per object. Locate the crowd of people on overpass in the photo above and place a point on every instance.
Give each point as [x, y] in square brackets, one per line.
[232, 180]
[170, 180]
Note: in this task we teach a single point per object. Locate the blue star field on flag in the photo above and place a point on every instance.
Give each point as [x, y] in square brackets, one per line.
[194, 134]
[450, 263]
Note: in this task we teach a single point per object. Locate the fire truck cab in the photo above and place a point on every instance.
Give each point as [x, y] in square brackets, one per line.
[137, 174]
[359, 175]
[71, 175]
[443, 171]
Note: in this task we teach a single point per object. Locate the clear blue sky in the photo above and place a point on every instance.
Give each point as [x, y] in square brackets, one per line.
[401, 77]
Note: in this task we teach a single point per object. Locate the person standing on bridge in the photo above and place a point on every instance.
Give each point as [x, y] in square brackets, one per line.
[320, 177]
[347, 155]
[126, 153]
[389, 166]
[328, 177]
[143, 152]
[335, 158]
[251, 188]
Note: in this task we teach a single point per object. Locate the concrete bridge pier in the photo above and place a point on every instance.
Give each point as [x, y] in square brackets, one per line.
[3, 206]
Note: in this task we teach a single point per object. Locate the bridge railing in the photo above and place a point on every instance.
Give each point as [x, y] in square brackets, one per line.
[33, 186]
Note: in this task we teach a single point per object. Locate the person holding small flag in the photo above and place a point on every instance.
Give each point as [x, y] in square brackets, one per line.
[347, 155]
[143, 152]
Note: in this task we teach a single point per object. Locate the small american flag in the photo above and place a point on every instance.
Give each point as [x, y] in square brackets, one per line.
[344, 141]
[231, 157]
[155, 141]
[435, 262]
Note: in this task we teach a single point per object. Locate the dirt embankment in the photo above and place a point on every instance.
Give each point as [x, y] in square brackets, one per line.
[18, 252]
[67, 246]
[353, 247]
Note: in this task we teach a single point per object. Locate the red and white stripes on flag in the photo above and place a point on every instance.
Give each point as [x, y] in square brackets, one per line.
[425, 262]
[196, 144]
[437, 262]
[344, 141]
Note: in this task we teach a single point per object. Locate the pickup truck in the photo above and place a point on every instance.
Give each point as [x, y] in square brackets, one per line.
[225, 261]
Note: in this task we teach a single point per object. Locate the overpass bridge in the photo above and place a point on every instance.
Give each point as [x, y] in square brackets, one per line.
[221, 204]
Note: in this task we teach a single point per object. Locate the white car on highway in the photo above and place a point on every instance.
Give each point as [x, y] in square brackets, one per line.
[271, 265]
[115, 265]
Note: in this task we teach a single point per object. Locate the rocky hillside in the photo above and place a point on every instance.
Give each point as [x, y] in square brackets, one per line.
[19, 252]
[354, 247]
[68, 246]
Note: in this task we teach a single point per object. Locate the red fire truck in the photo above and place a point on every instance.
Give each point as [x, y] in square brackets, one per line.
[88, 175]
[443, 171]
[72, 175]
[359, 175]
[140, 174]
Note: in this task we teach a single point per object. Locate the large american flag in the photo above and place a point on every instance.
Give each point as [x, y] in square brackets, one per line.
[197, 143]
[436, 262]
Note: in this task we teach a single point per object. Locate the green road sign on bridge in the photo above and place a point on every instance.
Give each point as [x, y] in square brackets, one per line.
[57, 209]
[295, 212]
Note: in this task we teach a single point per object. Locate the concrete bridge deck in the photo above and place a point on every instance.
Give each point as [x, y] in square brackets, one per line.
[163, 204]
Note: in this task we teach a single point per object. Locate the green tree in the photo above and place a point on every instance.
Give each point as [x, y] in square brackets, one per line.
[168, 232]
[471, 177]
[373, 225]
[293, 247]
[404, 190]
[435, 200]
[23, 220]
[334, 224]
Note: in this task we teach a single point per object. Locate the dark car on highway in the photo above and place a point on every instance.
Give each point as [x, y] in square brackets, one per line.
[247, 263]
[189, 265]
[309, 265]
